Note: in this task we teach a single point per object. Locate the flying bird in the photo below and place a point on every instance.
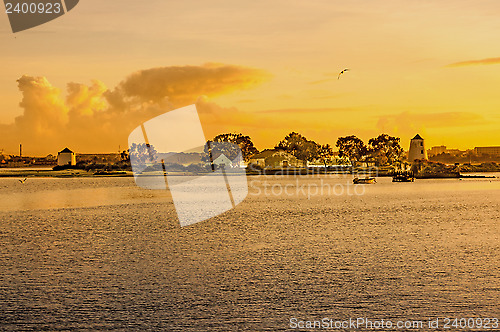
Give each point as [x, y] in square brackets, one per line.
[23, 180]
[343, 71]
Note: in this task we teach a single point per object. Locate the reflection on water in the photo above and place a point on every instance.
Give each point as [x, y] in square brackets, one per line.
[54, 193]
[115, 257]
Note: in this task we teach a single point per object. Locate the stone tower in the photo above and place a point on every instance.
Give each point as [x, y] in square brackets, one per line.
[417, 149]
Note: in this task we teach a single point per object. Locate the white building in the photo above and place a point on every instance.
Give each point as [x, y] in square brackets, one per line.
[490, 150]
[435, 150]
[222, 160]
[66, 157]
[275, 158]
[417, 149]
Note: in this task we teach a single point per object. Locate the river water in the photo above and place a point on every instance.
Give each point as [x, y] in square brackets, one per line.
[102, 254]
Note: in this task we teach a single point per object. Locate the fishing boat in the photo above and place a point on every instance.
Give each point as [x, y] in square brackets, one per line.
[364, 180]
[403, 176]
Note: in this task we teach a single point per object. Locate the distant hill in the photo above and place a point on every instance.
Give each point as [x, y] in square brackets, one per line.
[180, 158]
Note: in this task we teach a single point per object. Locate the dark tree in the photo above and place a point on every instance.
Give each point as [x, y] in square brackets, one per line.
[325, 154]
[244, 142]
[124, 155]
[385, 149]
[300, 147]
[215, 149]
[352, 148]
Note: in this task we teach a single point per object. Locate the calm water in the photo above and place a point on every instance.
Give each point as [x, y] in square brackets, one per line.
[102, 254]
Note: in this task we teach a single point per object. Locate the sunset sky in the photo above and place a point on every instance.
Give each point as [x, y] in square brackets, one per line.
[263, 68]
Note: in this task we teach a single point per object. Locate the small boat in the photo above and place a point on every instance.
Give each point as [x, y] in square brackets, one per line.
[364, 180]
[403, 177]
[476, 177]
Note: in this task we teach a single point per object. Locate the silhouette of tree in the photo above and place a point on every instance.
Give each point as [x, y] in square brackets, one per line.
[215, 149]
[244, 142]
[125, 155]
[385, 150]
[352, 148]
[325, 154]
[300, 147]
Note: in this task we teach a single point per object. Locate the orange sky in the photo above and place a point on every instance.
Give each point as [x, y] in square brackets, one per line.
[263, 68]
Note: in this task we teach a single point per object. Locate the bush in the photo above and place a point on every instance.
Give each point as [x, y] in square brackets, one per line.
[197, 168]
[63, 167]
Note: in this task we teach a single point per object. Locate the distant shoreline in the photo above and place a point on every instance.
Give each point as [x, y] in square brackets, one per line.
[75, 173]
[70, 173]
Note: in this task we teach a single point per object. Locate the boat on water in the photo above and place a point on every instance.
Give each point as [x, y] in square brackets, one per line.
[364, 181]
[475, 176]
[403, 177]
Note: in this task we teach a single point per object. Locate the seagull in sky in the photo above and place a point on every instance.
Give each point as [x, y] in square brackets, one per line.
[343, 71]
[23, 180]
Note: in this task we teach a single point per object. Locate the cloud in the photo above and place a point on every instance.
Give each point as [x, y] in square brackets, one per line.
[184, 84]
[406, 123]
[42, 105]
[310, 110]
[270, 126]
[489, 61]
[86, 100]
[93, 118]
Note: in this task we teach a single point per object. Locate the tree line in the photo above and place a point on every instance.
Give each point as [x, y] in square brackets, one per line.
[381, 150]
